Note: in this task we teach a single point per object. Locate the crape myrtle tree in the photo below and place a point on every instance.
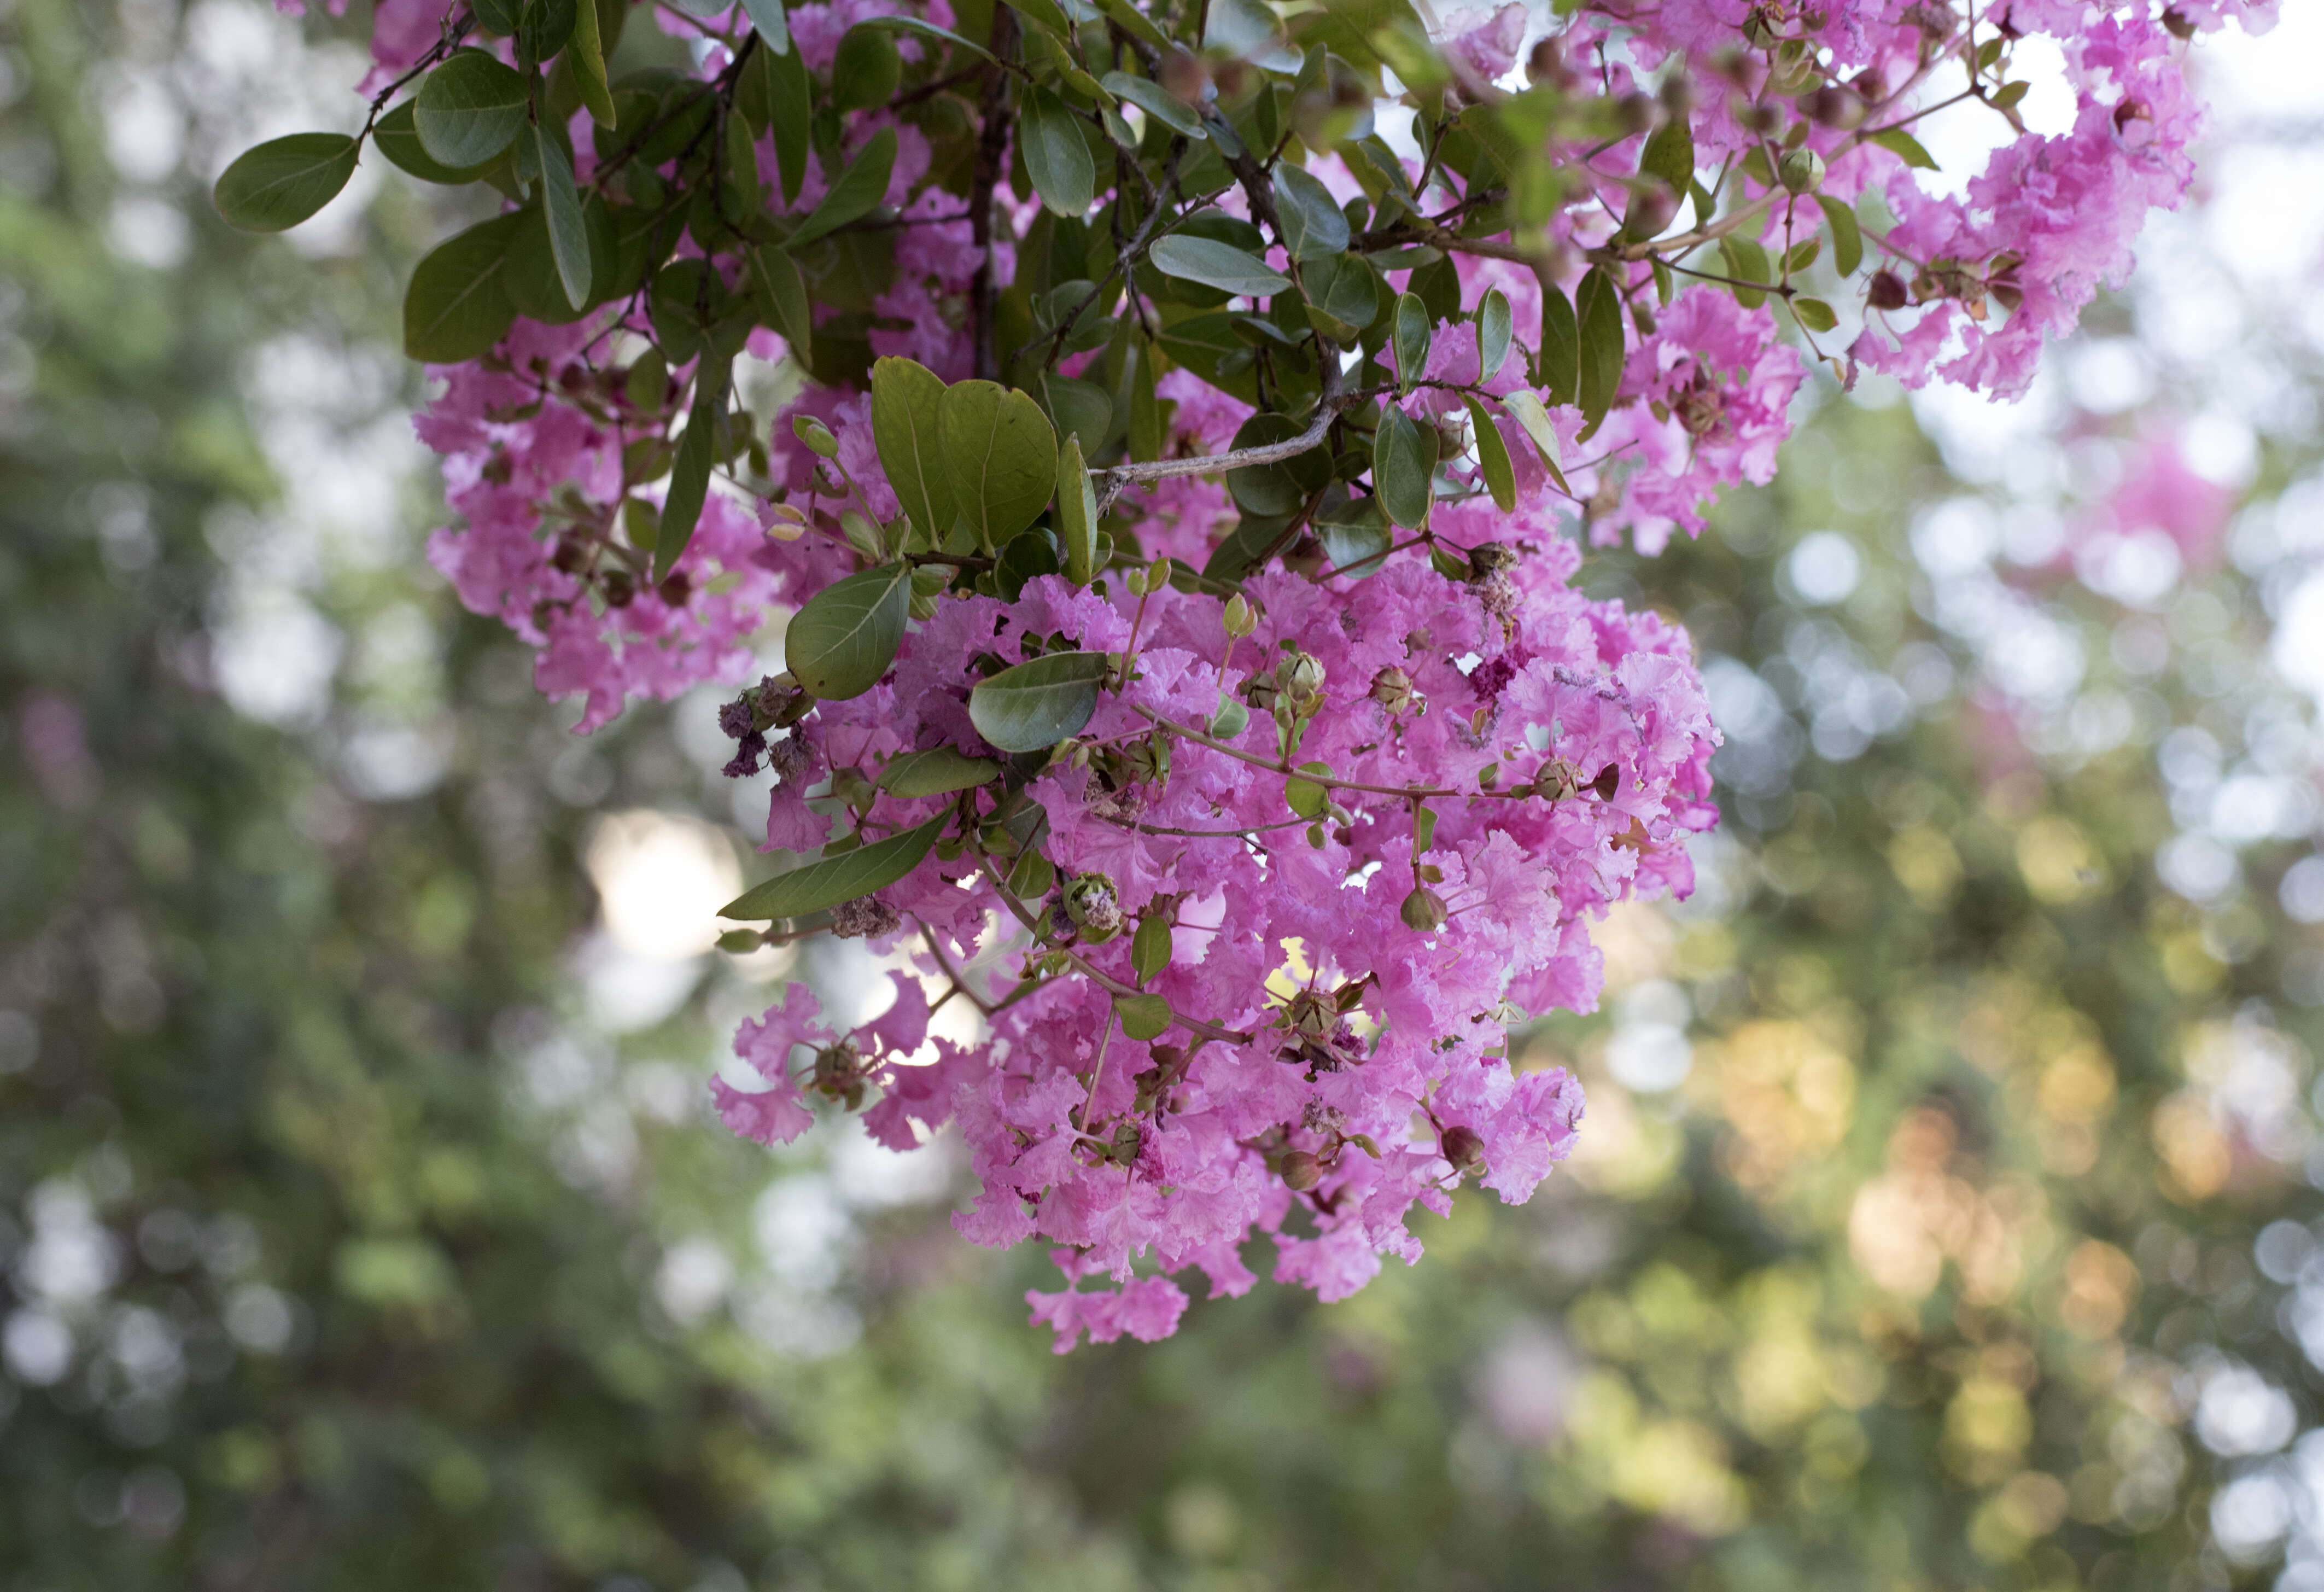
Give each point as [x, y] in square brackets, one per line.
[1207, 407]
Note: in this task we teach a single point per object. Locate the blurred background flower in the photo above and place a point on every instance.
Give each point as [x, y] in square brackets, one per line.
[1946, 1212]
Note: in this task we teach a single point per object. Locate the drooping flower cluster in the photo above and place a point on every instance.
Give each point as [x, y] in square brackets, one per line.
[1346, 764]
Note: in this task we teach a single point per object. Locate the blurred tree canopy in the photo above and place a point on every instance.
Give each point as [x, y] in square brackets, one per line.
[1936, 1224]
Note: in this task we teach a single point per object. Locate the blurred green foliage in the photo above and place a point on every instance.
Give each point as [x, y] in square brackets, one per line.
[345, 1249]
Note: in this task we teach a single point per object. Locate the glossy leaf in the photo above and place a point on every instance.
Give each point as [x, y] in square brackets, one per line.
[1404, 467]
[1001, 455]
[1903, 144]
[1028, 555]
[1846, 237]
[863, 185]
[937, 772]
[569, 235]
[782, 299]
[1149, 947]
[1598, 307]
[771, 23]
[397, 138]
[1157, 102]
[842, 642]
[865, 71]
[1143, 1016]
[1076, 514]
[585, 54]
[1313, 224]
[849, 876]
[457, 308]
[470, 109]
[689, 480]
[1494, 330]
[1814, 314]
[1037, 703]
[1356, 535]
[1215, 265]
[283, 181]
[904, 398]
[1413, 333]
[1493, 456]
[1561, 346]
[1056, 157]
[1525, 408]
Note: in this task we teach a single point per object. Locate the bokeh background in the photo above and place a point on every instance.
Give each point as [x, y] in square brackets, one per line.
[1947, 1212]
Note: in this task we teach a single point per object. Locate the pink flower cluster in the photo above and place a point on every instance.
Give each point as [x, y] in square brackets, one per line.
[1492, 757]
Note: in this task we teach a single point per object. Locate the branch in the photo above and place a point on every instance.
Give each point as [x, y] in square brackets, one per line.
[990, 142]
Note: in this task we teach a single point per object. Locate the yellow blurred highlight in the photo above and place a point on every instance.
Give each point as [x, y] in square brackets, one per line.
[2059, 864]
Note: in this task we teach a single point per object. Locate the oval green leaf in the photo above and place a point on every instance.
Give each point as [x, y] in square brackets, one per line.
[1598, 306]
[1215, 265]
[781, 292]
[457, 308]
[1056, 157]
[771, 23]
[1356, 536]
[689, 480]
[398, 138]
[1038, 703]
[1158, 102]
[1001, 455]
[1493, 456]
[1077, 513]
[866, 69]
[863, 184]
[937, 772]
[469, 109]
[842, 641]
[568, 234]
[284, 180]
[1494, 327]
[1846, 237]
[905, 397]
[1404, 467]
[849, 876]
[1313, 224]
[1144, 1016]
[1413, 334]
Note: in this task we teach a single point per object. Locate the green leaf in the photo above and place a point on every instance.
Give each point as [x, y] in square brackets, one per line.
[569, 235]
[863, 184]
[1044, 14]
[1029, 555]
[1847, 237]
[781, 295]
[283, 181]
[470, 109]
[1231, 719]
[1525, 408]
[1057, 158]
[1215, 265]
[1077, 513]
[937, 772]
[904, 398]
[926, 30]
[1280, 488]
[1356, 536]
[586, 53]
[1814, 314]
[1494, 330]
[1413, 333]
[1599, 308]
[790, 120]
[1344, 288]
[1137, 21]
[1746, 261]
[399, 140]
[1307, 797]
[1038, 703]
[865, 71]
[849, 876]
[690, 479]
[842, 641]
[457, 308]
[1076, 408]
[1149, 947]
[1669, 154]
[1493, 456]
[1157, 102]
[1001, 455]
[1561, 346]
[1404, 467]
[772, 25]
[1903, 144]
[1313, 224]
[1143, 1016]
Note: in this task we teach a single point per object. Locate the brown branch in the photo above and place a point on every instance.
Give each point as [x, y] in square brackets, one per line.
[990, 142]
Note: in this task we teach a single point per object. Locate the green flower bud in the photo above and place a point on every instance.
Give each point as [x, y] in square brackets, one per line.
[1802, 170]
[1240, 618]
[1423, 910]
[1095, 906]
[816, 435]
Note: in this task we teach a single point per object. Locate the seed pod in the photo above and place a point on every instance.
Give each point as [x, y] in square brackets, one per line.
[1392, 689]
[1423, 910]
[1301, 1172]
[1885, 292]
[1463, 1149]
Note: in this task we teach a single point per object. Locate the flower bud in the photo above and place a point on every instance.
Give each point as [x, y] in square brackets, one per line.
[1392, 689]
[816, 435]
[1834, 106]
[1301, 1171]
[1802, 170]
[1313, 1014]
[1886, 290]
[1463, 1149]
[1095, 906]
[1423, 910]
[1240, 618]
[1300, 676]
[1635, 112]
